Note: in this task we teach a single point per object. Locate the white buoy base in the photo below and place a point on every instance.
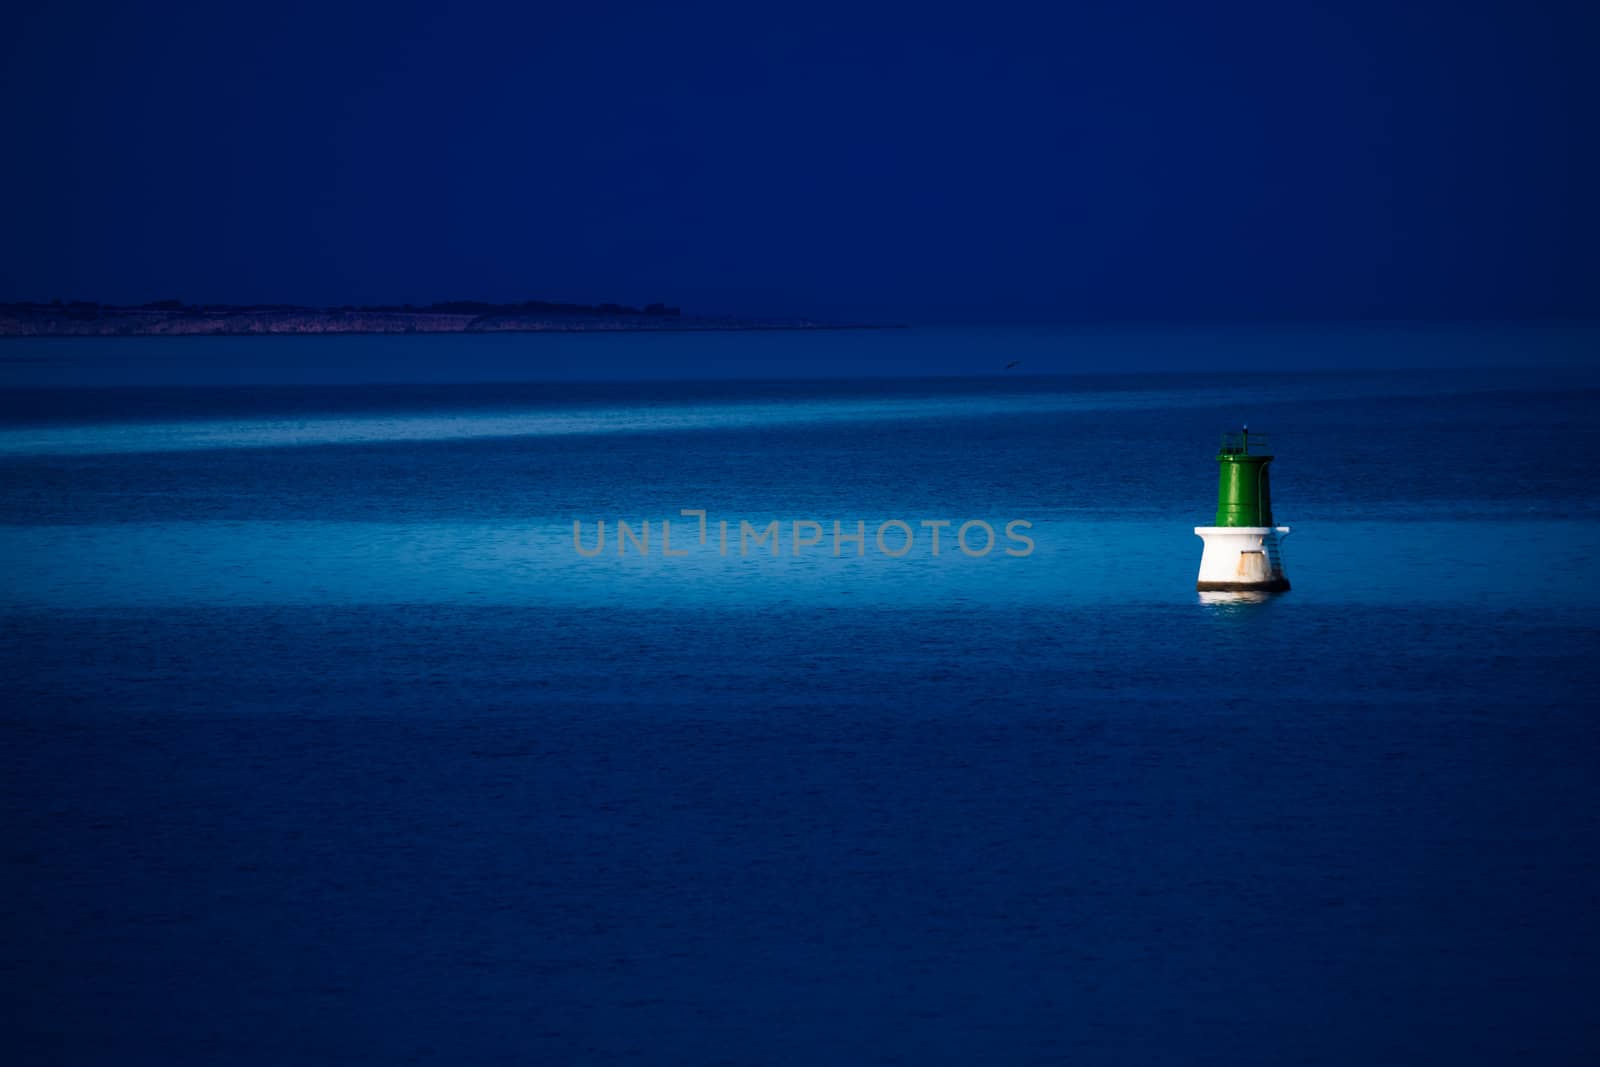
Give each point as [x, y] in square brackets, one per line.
[1242, 558]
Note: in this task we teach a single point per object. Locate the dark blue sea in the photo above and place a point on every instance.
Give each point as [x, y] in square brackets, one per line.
[322, 742]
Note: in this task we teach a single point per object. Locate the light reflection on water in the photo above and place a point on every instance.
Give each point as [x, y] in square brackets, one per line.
[1074, 563]
[1048, 396]
[1218, 598]
[288, 433]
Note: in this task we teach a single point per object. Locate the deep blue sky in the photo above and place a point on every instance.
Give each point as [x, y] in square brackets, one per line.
[1125, 160]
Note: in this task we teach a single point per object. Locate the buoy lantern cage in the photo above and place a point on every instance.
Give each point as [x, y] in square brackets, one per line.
[1243, 550]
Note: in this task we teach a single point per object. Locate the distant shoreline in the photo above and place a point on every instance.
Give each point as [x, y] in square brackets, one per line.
[174, 319]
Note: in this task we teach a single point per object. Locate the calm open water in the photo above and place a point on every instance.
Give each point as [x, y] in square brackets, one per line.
[320, 742]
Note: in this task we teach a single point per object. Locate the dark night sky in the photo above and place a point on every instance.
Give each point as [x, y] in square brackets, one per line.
[1124, 160]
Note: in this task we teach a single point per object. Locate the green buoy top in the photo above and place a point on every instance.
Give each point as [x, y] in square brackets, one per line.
[1244, 494]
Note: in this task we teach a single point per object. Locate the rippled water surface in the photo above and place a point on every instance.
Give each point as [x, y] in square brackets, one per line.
[322, 743]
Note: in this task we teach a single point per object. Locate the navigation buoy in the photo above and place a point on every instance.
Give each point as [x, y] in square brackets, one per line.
[1243, 550]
